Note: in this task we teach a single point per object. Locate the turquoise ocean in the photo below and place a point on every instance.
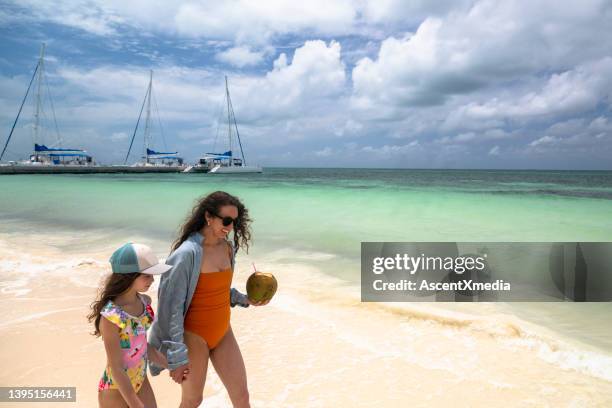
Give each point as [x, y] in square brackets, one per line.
[320, 217]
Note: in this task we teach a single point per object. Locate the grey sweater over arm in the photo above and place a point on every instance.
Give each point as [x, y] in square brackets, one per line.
[176, 289]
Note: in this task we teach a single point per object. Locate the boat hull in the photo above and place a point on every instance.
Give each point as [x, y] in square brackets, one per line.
[235, 169]
[76, 169]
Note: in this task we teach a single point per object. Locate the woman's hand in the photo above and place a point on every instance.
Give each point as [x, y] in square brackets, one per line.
[180, 373]
[157, 357]
[259, 303]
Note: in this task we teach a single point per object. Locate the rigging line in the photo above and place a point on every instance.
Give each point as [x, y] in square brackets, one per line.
[59, 138]
[219, 122]
[136, 128]
[161, 128]
[236, 126]
[42, 115]
[18, 113]
[229, 123]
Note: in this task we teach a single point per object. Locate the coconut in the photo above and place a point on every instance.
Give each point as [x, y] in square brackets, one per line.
[261, 286]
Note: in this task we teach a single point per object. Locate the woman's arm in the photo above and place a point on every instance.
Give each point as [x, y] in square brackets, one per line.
[171, 303]
[110, 335]
[236, 298]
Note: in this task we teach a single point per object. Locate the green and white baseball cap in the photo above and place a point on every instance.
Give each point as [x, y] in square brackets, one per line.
[132, 258]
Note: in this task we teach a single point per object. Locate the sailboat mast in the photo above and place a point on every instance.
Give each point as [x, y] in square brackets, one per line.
[229, 123]
[237, 132]
[38, 100]
[147, 138]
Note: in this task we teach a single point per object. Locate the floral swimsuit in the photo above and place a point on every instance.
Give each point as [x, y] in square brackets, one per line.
[133, 341]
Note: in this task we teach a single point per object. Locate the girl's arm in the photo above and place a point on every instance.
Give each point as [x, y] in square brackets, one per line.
[156, 356]
[110, 335]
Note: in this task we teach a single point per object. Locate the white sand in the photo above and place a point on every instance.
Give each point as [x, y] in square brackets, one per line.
[307, 348]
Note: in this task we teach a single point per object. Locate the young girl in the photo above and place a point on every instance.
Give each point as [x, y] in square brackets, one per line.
[127, 316]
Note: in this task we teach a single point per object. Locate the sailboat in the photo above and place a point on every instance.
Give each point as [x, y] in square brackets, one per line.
[44, 159]
[226, 162]
[152, 158]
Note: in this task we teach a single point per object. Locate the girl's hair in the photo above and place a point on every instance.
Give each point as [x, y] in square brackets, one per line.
[212, 204]
[114, 285]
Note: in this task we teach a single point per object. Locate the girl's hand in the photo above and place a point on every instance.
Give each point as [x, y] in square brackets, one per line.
[259, 303]
[180, 373]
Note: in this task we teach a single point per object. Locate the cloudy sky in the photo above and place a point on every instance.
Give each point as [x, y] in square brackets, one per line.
[356, 83]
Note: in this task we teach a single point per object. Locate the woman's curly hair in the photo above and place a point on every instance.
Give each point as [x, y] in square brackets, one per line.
[212, 203]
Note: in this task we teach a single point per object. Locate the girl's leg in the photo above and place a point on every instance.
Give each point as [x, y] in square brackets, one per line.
[111, 399]
[146, 395]
[193, 386]
[228, 363]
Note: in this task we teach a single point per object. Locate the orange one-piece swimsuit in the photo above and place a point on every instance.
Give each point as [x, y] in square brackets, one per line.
[209, 313]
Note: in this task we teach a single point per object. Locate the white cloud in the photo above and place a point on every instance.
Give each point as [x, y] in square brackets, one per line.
[399, 11]
[473, 137]
[252, 21]
[567, 127]
[94, 17]
[305, 86]
[387, 150]
[349, 128]
[570, 92]
[601, 124]
[545, 140]
[468, 50]
[240, 57]
[247, 21]
[326, 152]
[465, 137]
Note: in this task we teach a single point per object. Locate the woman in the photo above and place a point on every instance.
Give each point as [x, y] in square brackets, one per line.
[195, 298]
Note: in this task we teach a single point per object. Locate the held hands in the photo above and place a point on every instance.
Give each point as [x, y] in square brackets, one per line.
[180, 373]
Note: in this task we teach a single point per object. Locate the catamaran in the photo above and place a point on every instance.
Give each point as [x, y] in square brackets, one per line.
[150, 157]
[44, 158]
[226, 162]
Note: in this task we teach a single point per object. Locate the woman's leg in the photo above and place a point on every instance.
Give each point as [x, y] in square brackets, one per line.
[228, 363]
[193, 386]
[111, 399]
[146, 395]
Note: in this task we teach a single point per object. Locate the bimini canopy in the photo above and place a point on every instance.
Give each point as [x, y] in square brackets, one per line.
[225, 155]
[55, 152]
[152, 154]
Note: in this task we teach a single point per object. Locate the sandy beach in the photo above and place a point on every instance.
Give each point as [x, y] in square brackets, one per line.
[314, 345]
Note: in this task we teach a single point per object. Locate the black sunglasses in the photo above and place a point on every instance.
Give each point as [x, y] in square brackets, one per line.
[227, 220]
